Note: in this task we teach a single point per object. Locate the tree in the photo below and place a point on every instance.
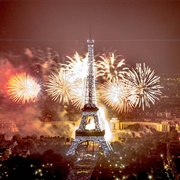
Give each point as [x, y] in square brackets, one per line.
[17, 137]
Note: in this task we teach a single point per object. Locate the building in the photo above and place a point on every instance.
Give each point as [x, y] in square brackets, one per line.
[116, 126]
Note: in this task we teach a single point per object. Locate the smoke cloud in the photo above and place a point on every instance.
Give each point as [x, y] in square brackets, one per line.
[42, 117]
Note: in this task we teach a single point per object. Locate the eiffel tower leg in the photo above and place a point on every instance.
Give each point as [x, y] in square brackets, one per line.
[105, 145]
[73, 147]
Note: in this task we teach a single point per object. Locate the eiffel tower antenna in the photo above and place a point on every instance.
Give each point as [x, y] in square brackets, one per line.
[90, 98]
[90, 33]
[89, 112]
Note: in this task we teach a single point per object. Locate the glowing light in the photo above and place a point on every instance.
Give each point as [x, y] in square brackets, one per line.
[145, 86]
[105, 125]
[111, 67]
[59, 86]
[23, 88]
[90, 125]
[150, 176]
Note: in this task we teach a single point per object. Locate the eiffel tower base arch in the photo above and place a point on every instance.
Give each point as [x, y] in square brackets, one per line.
[96, 139]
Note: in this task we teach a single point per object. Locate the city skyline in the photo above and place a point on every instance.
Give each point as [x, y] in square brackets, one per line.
[52, 72]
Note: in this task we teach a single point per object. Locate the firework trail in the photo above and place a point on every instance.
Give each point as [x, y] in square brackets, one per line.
[23, 88]
[145, 86]
[111, 67]
[116, 95]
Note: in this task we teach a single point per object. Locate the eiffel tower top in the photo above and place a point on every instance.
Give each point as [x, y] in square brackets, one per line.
[90, 40]
[90, 96]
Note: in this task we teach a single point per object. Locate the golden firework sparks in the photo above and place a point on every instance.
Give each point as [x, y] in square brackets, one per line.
[145, 86]
[23, 88]
[111, 67]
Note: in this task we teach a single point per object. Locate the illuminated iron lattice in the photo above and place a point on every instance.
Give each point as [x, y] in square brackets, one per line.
[89, 112]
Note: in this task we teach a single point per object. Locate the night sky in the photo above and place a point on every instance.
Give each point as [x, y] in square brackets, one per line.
[141, 30]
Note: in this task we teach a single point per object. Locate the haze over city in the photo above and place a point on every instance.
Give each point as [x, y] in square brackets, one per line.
[50, 53]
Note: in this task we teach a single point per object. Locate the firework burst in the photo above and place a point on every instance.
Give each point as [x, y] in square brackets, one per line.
[116, 95]
[77, 66]
[59, 86]
[23, 88]
[111, 67]
[145, 86]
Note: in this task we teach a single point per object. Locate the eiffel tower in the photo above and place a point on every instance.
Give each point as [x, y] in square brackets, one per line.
[89, 112]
